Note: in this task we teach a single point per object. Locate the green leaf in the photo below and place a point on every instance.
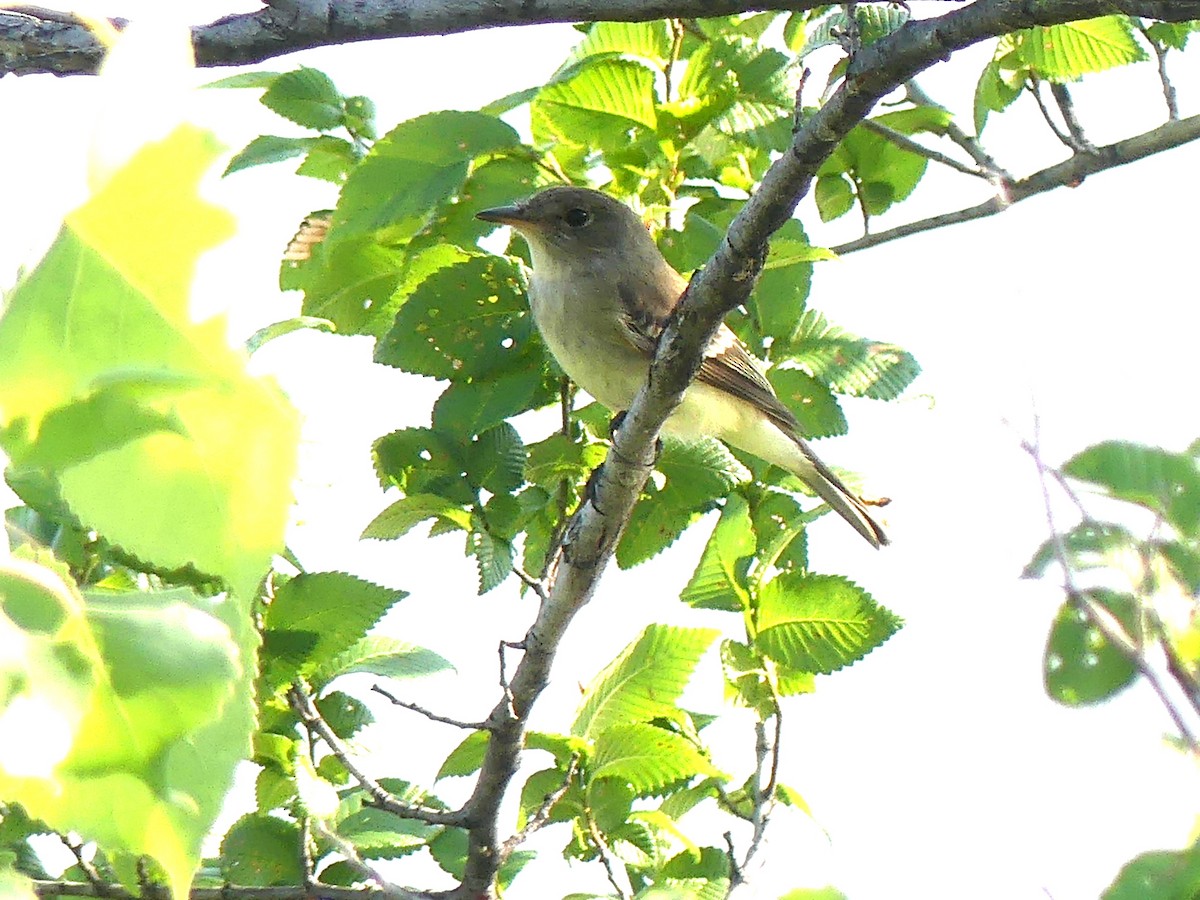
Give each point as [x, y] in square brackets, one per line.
[595, 104]
[820, 623]
[469, 407]
[269, 148]
[329, 159]
[421, 460]
[260, 851]
[287, 326]
[345, 715]
[307, 97]
[1065, 52]
[850, 364]
[834, 196]
[1172, 34]
[1163, 482]
[814, 405]
[245, 80]
[649, 41]
[109, 305]
[466, 758]
[696, 474]
[646, 757]
[135, 684]
[496, 460]
[449, 850]
[1089, 545]
[377, 655]
[408, 512]
[1158, 875]
[644, 681]
[379, 834]
[717, 582]
[465, 321]
[995, 92]
[1081, 666]
[332, 609]
[493, 557]
[762, 108]
[412, 170]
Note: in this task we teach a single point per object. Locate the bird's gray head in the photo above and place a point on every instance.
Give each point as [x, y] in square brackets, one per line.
[577, 227]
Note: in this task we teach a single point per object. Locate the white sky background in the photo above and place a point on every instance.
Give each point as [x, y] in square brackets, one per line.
[937, 766]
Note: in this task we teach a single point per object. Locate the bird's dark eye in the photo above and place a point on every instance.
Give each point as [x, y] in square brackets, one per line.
[577, 217]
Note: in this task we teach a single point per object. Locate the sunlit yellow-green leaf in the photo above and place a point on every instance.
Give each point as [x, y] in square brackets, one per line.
[134, 707]
[106, 310]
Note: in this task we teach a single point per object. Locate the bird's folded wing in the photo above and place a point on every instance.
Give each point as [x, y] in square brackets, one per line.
[727, 365]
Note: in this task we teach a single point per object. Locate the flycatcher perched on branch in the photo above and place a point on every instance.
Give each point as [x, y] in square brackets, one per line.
[601, 294]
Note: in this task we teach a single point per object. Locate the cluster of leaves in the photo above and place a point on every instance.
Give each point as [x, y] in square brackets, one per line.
[400, 259]
[1064, 53]
[1131, 581]
[158, 645]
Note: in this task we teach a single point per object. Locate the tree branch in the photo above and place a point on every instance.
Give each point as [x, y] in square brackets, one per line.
[381, 798]
[43, 888]
[1069, 173]
[35, 40]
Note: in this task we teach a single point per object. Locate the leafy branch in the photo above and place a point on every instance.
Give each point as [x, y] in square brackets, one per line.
[1069, 173]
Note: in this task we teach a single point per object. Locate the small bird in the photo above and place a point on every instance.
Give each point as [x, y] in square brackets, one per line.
[601, 294]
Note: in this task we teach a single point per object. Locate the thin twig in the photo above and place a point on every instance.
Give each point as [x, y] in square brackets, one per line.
[542, 814]
[85, 865]
[1035, 88]
[736, 876]
[1066, 106]
[904, 142]
[535, 584]
[916, 94]
[432, 716]
[1069, 173]
[1160, 52]
[380, 797]
[349, 853]
[605, 854]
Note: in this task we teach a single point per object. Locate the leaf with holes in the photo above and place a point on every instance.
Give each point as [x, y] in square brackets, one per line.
[1081, 666]
[465, 321]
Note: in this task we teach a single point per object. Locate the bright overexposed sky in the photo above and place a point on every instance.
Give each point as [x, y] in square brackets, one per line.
[935, 768]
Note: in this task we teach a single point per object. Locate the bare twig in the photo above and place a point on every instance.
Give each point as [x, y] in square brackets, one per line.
[349, 853]
[1064, 137]
[1066, 107]
[1069, 173]
[85, 865]
[904, 142]
[1160, 53]
[542, 814]
[736, 876]
[432, 716]
[916, 94]
[535, 584]
[605, 854]
[380, 797]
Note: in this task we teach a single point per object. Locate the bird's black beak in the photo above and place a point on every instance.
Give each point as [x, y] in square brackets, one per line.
[503, 215]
